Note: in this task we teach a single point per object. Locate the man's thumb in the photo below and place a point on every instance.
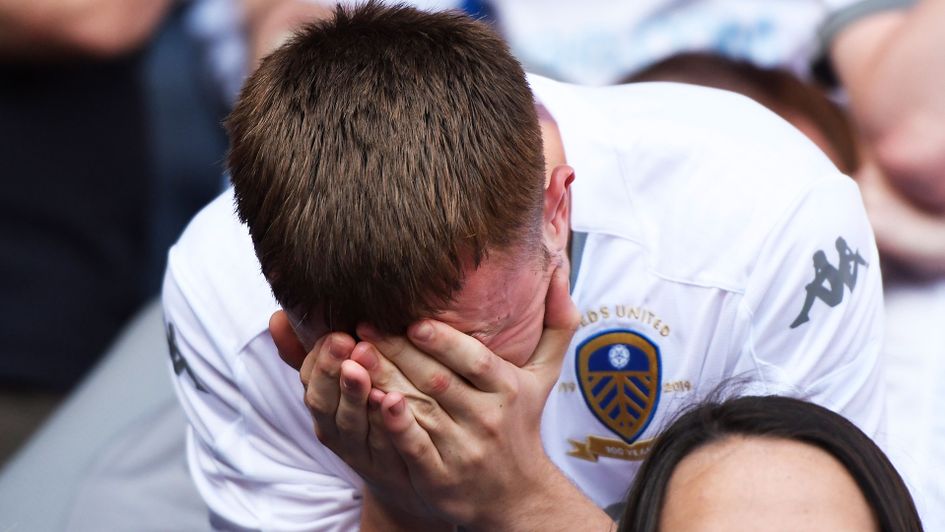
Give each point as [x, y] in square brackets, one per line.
[561, 320]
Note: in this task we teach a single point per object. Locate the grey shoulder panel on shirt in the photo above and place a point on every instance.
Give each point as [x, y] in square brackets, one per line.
[578, 239]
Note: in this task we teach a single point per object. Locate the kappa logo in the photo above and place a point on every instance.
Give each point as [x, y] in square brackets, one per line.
[619, 376]
[829, 281]
[180, 363]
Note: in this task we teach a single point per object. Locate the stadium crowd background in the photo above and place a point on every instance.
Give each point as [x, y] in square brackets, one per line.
[110, 117]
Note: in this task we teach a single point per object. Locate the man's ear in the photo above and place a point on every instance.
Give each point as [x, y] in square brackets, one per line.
[557, 210]
[287, 342]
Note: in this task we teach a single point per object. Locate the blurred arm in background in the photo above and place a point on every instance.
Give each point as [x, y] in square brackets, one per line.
[104, 28]
[913, 238]
[892, 64]
[269, 23]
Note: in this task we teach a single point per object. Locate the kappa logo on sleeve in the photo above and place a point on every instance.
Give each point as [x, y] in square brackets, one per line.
[180, 363]
[829, 280]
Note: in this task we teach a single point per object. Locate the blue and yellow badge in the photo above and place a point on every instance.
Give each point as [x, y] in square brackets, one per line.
[619, 373]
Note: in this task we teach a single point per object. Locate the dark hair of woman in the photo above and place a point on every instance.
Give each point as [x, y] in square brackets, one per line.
[773, 417]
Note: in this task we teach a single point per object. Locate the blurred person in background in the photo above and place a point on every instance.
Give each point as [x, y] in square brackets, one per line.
[910, 241]
[886, 55]
[76, 168]
[886, 58]
[92, 94]
[110, 117]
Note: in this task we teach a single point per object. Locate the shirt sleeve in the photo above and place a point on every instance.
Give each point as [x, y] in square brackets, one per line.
[251, 445]
[815, 306]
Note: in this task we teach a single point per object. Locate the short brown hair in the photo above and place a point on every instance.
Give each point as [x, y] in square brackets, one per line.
[376, 153]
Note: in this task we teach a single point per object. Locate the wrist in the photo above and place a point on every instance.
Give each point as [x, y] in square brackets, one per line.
[379, 514]
[549, 501]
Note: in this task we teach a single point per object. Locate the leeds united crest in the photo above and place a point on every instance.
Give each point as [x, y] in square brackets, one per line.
[619, 374]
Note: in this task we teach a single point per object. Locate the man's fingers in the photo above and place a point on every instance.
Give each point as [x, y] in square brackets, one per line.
[434, 408]
[392, 347]
[290, 348]
[323, 391]
[383, 453]
[369, 358]
[385, 376]
[419, 366]
[375, 398]
[459, 353]
[409, 439]
[560, 312]
[305, 372]
[561, 320]
[351, 417]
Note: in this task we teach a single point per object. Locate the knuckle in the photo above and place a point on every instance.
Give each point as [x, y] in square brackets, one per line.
[477, 459]
[491, 423]
[512, 391]
[316, 402]
[378, 444]
[344, 427]
[417, 451]
[327, 372]
[426, 412]
[483, 365]
[326, 368]
[439, 383]
[312, 400]
[346, 424]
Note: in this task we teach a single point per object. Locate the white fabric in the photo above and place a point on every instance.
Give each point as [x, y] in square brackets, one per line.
[251, 445]
[915, 358]
[594, 42]
[701, 208]
[601, 41]
[836, 5]
[705, 210]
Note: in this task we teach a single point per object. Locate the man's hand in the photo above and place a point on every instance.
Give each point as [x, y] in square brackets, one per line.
[102, 28]
[474, 452]
[271, 23]
[470, 435]
[336, 394]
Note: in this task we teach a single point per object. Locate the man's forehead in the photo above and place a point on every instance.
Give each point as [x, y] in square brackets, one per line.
[491, 293]
[488, 295]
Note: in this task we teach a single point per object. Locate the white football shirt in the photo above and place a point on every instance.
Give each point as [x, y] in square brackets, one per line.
[703, 215]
